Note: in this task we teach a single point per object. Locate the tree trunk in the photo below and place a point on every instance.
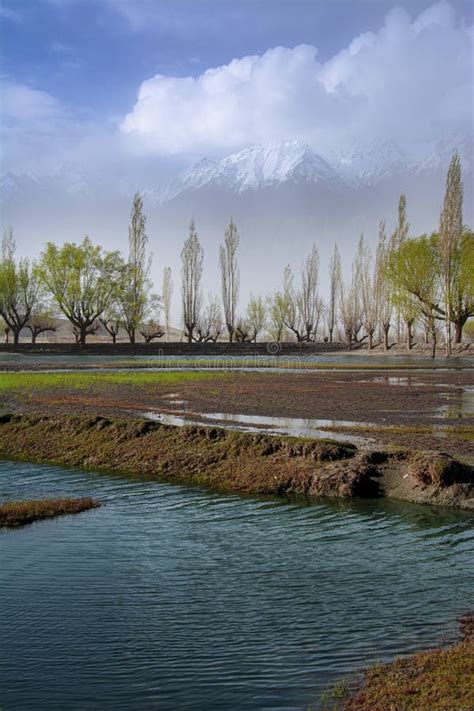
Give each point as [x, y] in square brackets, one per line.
[33, 337]
[458, 326]
[16, 336]
[83, 337]
[385, 338]
[330, 335]
[114, 338]
[371, 341]
[433, 346]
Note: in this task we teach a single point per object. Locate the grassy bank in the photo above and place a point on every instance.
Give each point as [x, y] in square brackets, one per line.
[440, 679]
[20, 513]
[235, 461]
[436, 680]
[18, 381]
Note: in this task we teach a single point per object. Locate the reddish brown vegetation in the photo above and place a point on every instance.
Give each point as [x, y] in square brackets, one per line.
[19, 513]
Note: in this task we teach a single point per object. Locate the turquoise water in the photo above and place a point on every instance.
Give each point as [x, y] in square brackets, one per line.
[173, 597]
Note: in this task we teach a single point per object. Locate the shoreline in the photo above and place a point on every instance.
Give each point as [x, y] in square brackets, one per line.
[239, 462]
[222, 349]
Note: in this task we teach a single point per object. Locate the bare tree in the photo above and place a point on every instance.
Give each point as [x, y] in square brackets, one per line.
[242, 331]
[398, 238]
[367, 281]
[41, 321]
[303, 307]
[167, 298]
[290, 297]
[192, 257]
[334, 281]
[111, 320]
[256, 316]
[151, 330]
[230, 277]
[450, 233]
[350, 305]
[309, 303]
[136, 285]
[381, 287]
[209, 327]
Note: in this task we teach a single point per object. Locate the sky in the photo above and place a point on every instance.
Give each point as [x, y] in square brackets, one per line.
[151, 85]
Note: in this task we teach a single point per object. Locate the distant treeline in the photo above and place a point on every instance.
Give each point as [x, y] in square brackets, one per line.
[423, 281]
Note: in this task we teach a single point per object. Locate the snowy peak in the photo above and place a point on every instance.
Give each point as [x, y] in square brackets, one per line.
[263, 166]
[255, 168]
[370, 163]
[191, 179]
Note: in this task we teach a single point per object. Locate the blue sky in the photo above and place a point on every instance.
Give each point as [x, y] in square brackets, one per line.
[71, 70]
[93, 54]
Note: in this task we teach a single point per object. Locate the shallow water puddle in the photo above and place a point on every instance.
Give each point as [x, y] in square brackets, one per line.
[296, 427]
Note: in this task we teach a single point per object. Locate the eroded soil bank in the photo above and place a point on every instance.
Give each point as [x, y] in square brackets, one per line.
[238, 461]
[430, 410]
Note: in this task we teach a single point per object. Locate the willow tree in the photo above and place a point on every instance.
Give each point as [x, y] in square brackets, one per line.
[450, 235]
[230, 276]
[413, 270]
[192, 257]
[135, 282]
[83, 281]
[19, 288]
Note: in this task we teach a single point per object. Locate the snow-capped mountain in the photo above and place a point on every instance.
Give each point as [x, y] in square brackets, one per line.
[256, 168]
[370, 163]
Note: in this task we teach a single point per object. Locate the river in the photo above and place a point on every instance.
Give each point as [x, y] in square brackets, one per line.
[173, 597]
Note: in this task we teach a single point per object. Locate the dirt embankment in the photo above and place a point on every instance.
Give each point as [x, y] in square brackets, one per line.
[237, 461]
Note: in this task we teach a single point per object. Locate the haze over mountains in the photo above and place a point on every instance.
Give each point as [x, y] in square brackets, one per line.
[284, 196]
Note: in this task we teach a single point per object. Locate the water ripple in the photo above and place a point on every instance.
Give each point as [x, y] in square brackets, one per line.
[175, 597]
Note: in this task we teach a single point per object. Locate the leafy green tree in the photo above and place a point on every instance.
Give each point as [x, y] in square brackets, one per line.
[256, 316]
[19, 288]
[413, 271]
[276, 308]
[82, 280]
[416, 272]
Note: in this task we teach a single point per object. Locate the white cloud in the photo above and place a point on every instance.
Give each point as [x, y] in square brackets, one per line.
[412, 80]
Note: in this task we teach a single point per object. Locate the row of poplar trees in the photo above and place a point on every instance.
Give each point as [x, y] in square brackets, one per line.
[427, 280]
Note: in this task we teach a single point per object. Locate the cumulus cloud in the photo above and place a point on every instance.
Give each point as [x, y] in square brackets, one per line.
[410, 81]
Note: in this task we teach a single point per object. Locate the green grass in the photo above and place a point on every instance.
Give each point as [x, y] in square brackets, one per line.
[11, 382]
[301, 363]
